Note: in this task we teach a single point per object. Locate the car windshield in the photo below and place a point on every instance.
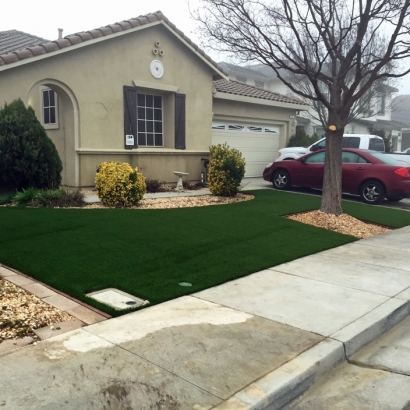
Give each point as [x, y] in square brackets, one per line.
[386, 158]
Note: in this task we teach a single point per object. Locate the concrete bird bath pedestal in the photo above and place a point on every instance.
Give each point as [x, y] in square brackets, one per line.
[180, 174]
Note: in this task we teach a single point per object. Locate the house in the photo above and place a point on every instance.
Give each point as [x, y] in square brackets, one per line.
[140, 91]
[401, 113]
[378, 117]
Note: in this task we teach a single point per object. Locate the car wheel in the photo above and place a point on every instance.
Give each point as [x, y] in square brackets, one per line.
[372, 192]
[389, 198]
[281, 179]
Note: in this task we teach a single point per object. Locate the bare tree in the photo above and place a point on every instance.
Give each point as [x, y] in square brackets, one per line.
[374, 101]
[342, 48]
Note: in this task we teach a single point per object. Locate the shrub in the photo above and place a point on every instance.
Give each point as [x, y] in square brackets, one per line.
[226, 170]
[301, 139]
[26, 196]
[50, 198]
[118, 184]
[6, 198]
[28, 158]
[155, 185]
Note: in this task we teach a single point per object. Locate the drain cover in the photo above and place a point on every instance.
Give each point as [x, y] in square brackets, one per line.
[117, 299]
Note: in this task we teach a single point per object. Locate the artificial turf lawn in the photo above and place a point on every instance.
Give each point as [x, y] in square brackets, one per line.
[148, 252]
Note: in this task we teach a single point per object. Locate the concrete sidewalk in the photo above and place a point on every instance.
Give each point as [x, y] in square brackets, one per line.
[253, 343]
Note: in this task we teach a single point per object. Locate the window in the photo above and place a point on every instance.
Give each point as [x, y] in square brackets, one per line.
[49, 107]
[321, 144]
[144, 123]
[260, 84]
[218, 126]
[254, 128]
[351, 142]
[349, 157]
[316, 158]
[273, 130]
[241, 79]
[235, 127]
[149, 120]
[376, 144]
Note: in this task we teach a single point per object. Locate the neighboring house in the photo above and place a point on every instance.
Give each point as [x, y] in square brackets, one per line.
[140, 91]
[401, 113]
[262, 76]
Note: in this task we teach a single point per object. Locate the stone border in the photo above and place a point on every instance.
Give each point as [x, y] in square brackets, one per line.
[83, 313]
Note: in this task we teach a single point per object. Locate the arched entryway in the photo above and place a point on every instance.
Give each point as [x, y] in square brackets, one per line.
[64, 131]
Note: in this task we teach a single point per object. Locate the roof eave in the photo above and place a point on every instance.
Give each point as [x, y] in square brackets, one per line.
[204, 57]
[260, 101]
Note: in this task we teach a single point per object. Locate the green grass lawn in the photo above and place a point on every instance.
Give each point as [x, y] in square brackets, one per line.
[148, 252]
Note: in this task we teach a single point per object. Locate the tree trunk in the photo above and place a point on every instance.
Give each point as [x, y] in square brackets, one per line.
[332, 180]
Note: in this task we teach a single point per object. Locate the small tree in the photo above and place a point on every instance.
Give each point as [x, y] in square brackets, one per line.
[28, 158]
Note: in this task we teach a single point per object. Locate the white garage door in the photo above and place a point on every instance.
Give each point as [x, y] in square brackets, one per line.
[259, 144]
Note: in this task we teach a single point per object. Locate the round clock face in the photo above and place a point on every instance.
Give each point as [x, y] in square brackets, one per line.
[157, 69]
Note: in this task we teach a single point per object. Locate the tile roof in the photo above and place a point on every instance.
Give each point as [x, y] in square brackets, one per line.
[237, 88]
[12, 40]
[243, 70]
[73, 39]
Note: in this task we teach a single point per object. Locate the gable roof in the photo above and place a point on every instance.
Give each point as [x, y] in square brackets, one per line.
[50, 47]
[11, 40]
[245, 90]
[242, 70]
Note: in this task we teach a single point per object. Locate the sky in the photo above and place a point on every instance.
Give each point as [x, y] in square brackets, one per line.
[43, 18]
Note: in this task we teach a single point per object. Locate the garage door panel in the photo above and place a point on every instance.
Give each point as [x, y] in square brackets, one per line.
[258, 149]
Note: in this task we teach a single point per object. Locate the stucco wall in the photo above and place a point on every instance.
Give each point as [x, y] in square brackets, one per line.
[94, 76]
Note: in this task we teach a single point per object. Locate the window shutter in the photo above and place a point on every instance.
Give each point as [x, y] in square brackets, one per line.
[180, 121]
[130, 117]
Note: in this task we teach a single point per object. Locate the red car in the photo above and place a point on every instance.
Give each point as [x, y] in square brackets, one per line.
[371, 174]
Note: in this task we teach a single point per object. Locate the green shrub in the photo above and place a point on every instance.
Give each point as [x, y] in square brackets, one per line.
[118, 184]
[26, 196]
[28, 158]
[155, 185]
[49, 198]
[301, 139]
[6, 198]
[226, 170]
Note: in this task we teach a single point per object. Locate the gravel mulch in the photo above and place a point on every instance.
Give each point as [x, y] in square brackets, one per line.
[21, 313]
[181, 202]
[344, 223]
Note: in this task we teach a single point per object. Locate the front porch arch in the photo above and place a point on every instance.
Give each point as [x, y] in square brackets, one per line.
[66, 136]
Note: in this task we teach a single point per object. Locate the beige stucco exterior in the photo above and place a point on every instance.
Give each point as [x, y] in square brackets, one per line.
[89, 80]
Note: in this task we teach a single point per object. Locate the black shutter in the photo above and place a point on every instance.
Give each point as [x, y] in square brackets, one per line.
[180, 121]
[130, 115]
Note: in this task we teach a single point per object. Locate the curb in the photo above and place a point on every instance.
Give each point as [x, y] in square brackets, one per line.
[281, 386]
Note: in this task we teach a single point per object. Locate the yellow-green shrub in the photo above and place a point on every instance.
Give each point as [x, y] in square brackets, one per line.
[118, 184]
[226, 170]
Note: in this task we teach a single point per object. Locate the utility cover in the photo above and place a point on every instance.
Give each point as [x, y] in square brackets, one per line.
[117, 299]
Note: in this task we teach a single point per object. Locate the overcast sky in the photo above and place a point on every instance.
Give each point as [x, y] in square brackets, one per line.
[43, 17]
